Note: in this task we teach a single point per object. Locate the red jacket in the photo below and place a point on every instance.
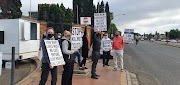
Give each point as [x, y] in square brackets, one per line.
[118, 43]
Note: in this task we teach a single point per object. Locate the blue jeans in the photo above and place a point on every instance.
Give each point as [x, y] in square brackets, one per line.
[78, 55]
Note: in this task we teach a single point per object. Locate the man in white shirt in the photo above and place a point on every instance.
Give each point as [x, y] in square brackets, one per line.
[106, 47]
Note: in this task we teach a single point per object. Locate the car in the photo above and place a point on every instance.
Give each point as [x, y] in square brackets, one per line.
[163, 40]
[152, 40]
[173, 40]
[142, 39]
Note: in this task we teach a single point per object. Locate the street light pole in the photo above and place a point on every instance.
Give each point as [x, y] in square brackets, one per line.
[77, 15]
[30, 10]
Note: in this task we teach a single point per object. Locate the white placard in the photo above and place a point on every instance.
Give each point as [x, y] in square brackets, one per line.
[100, 21]
[54, 52]
[128, 35]
[76, 38]
[0, 63]
[8, 65]
[85, 20]
[107, 45]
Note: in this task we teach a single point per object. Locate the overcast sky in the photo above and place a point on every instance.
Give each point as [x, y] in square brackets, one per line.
[145, 16]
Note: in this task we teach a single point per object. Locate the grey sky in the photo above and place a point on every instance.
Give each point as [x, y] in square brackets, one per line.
[142, 15]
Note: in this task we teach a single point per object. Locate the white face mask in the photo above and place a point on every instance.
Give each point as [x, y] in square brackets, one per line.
[59, 36]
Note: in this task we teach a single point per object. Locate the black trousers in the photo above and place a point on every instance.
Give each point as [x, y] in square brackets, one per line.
[45, 73]
[83, 62]
[95, 58]
[67, 74]
[106, 57]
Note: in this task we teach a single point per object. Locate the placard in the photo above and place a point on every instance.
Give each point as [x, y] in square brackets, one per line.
[107, 45]
[0, 63]
[128, 35]
[100, 21]
[76, 38]
[85, 20]
[54, 52]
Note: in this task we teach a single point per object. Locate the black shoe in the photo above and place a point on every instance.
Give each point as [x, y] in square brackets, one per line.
[94, 77]
[107, 65]
[103, 65]
[81, 68]
[97, 75]
[85, 68]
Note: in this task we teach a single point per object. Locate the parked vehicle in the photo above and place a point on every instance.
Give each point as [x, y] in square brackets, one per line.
[23, 35]
[152, 40]
[173, 41]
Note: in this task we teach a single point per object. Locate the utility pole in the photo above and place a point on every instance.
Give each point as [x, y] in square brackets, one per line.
[30, 10]
[77, 15]
[99, 6]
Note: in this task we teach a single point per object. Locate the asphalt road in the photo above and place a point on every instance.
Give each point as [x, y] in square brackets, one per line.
[154, 64]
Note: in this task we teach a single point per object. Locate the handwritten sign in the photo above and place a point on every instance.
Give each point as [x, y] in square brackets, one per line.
[107, 45]
[76, 38]
[100, 21]
[54, 52]
[0, 63]
[128, 35]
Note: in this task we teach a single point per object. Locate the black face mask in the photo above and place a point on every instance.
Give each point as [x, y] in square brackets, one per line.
[50, 35]
[116, 35]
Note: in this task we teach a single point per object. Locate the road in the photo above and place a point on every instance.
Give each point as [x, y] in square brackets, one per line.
[154, 64]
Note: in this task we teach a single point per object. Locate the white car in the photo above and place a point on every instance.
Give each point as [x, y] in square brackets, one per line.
[173, 40]
[152, 40]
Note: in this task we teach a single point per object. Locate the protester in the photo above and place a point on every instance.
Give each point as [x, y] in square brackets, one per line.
[46, 65]
[84, 50]
[117, 50]
[96, 53]
[106, 53]
[68, 58]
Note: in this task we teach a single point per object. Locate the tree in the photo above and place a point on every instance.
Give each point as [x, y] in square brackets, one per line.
[173, 34]
[113, 29]
[43, 12]
[108, 15]
[101, 10]
[69, 16]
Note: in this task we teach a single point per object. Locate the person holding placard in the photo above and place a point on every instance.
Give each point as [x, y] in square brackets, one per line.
[68, 58]
[95, 53]
[106, 46]
[84, 50]
[46, 65]
[117, 50]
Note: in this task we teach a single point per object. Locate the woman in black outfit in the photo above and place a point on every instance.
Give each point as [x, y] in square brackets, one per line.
[84, 50]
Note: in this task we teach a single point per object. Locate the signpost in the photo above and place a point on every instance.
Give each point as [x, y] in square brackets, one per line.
[54, 52]
[85, 20]
[76, 38]
[107, 45]
[100, 21]
[128, 35]
[0, 63]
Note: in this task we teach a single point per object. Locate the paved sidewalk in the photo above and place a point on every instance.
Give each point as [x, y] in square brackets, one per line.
[107, 77]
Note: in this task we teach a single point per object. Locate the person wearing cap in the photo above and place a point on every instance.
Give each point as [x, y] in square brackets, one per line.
[68, 58]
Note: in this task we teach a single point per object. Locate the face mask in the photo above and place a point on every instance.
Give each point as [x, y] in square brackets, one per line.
[116, 35]
[50, 35]
[59, 36]
[105, 37]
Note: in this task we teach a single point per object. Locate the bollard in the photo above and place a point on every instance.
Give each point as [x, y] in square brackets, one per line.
[12, 65]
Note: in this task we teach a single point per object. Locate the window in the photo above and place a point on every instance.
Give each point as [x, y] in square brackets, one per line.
[1, 37]
[33, 29]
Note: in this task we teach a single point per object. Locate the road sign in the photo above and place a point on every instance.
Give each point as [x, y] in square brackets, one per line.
[85, 20]
[0, 63]
[76, 38]
[100, 21]
[128, 35]
[54, 52]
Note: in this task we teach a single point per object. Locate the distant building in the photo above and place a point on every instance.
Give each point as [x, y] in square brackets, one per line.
[33, 14]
